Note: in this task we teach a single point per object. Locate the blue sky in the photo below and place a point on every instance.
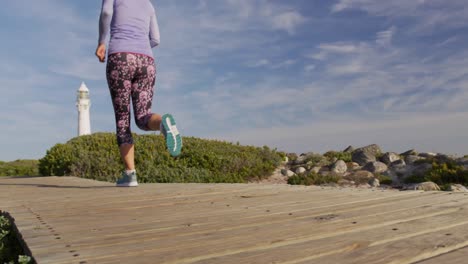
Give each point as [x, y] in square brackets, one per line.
[299, 75]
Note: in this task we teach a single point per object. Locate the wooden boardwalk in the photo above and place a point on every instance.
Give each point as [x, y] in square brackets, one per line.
[71, 220]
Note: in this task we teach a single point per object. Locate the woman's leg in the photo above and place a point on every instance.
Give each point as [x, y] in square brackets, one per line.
[119, 74]
[154, 122]
[142, 95]
[127, 153]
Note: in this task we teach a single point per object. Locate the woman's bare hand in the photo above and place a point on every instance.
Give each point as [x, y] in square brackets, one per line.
[101, 52]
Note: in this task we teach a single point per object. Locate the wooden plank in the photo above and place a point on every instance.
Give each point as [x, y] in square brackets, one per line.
[210, 219]
[228, 245]
[71, 220]
[455, 256]
[107, 225]
[221, 223]
[246, 237]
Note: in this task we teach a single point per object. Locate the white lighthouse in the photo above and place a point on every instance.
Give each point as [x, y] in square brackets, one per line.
[83, 103]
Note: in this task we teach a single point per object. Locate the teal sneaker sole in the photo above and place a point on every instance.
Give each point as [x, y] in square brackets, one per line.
[172, 135]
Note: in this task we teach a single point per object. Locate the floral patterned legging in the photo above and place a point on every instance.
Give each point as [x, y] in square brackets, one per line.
[130, 75]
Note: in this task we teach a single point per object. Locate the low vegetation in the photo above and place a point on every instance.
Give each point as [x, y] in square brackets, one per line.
[442, 173]
[312, 178]
[10, 250]
[204, 161]
[339, 155]
[19, 168]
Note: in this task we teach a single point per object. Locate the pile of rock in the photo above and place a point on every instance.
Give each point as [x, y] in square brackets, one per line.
[369, 164]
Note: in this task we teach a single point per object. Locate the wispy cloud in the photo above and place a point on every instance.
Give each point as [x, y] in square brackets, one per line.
[448, 41]
[384, 38]
[429, 15]
[288, 21]
[262, 62]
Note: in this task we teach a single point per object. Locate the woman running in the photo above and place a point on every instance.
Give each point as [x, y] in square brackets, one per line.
[131, 73]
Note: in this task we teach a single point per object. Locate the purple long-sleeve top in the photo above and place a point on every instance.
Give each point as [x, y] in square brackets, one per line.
[133, 26]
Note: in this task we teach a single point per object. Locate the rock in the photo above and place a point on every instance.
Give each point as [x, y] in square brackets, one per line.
[398, 164]
[300, 160]
[349, 149]
[411, 159]
[345, 183]
[287, 173]
[316, 169]
[374, 182]
[394, 176]
[457, 188]
[325, 171]
[275, 178]
[375, 167]
[409, 152]
[443, 158]
[362, 157]
[427, 155]
[421, 169]
[300, 170]
[363, 174]
[359, 177]
[353, 166]
[425, 186]
[399, 172]
[462, 161]
[372, 149]
[339, 167]
[390, 157]
[364, 186]
[366, 154]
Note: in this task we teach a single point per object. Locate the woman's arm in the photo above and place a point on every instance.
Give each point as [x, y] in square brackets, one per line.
[154, 31]
[104, 28]
[105, 20]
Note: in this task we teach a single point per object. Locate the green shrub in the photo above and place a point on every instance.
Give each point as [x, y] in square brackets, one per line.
[445, 187]
[19, 168]
[312, 178]
[97, 157]
[292, 156]
[316, 159]
[384, 179]
[447, 173]
[442, 174]
[10, 250]
[424, 161]
[416, 178]
[339, 155]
